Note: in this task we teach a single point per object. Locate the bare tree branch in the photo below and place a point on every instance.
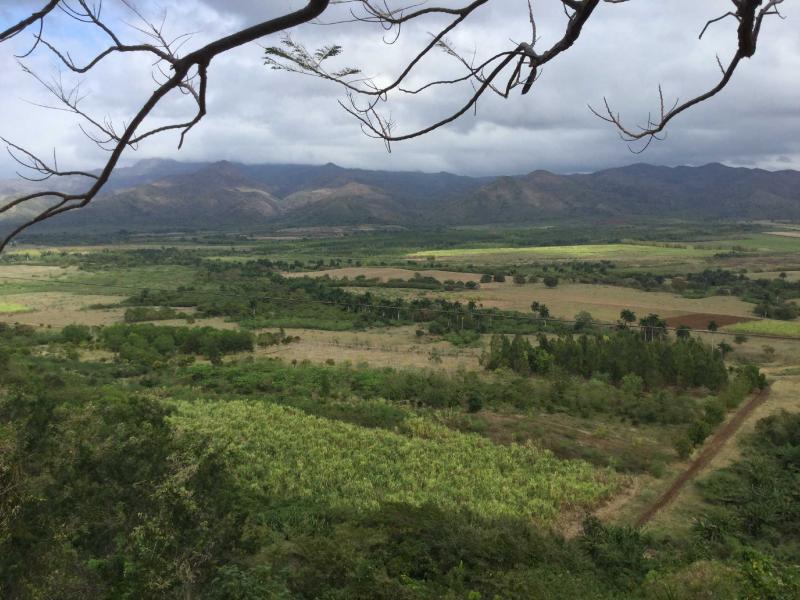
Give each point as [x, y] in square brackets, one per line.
[750, 18]
[179, 78]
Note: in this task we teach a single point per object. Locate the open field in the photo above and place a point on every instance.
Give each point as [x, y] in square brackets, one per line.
[397, 347]
[33, 271]
[615, 252]
[790, 275]
[345, 466]
[792, 234]
[604, 302]
[57, 309]
[757, 242]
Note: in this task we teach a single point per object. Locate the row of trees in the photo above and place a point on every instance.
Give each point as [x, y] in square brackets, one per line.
[657, 361]
[148, 344]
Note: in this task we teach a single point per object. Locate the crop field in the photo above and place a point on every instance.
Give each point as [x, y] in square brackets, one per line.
[12, 307]
[617, 252]
[767, 327]
[770, 243]
[344, 466]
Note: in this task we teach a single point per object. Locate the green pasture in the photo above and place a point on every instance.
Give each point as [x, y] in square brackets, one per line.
[767, 327]
[577, 252]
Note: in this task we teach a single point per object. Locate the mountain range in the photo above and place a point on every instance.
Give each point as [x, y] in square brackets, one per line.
[158, 194]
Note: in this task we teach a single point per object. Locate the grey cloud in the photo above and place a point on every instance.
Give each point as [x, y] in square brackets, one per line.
[258, 115]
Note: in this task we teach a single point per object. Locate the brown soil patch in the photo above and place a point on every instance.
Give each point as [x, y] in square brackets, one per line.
[9, 273]
[701, 320]
[792, 234]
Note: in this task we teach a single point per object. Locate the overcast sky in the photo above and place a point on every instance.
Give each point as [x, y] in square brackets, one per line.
[258, 115]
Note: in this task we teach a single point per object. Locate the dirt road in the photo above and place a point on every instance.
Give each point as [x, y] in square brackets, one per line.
[706, 455]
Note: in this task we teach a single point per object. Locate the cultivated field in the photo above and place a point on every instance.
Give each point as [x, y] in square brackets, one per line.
[633, 253]
[345, 466]
[767, 327]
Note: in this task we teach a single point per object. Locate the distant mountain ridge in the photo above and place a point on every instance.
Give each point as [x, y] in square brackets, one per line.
[156, 194]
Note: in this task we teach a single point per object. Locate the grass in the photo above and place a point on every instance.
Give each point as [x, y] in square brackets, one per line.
[767, 327]
[56, 309]
[305, 458]
[758, 242]
[586, 251]
[603, 302]
[7, 308]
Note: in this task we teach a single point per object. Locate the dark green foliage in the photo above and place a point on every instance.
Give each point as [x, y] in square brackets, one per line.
[106, 500]
[687, 363]
[137, 314]
[550, 281]
[77, 334]
[148, 344]
[617, 551]
[758, 497]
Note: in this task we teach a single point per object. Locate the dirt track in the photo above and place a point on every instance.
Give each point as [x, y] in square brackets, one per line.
[706, 455]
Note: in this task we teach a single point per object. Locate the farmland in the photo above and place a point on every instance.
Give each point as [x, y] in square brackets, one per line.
[345, 466]
[626, 252]
[767, 327]
[317, 409]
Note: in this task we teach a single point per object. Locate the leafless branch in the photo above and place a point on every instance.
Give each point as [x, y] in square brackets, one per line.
[750, 15]
[180, 75]
[518, 66]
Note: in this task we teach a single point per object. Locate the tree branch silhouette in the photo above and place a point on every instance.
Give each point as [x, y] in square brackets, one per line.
[519, 66]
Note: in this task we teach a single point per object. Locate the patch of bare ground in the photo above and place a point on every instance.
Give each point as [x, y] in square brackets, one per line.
[57, 309]
[395, 347]
[215, 322]
[791, 275]
[793, 233]
[33, 272]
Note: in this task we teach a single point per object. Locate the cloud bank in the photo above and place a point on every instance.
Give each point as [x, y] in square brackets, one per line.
[258, 115]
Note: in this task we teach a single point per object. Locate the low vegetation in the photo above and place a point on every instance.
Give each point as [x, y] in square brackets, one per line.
[158, 460]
